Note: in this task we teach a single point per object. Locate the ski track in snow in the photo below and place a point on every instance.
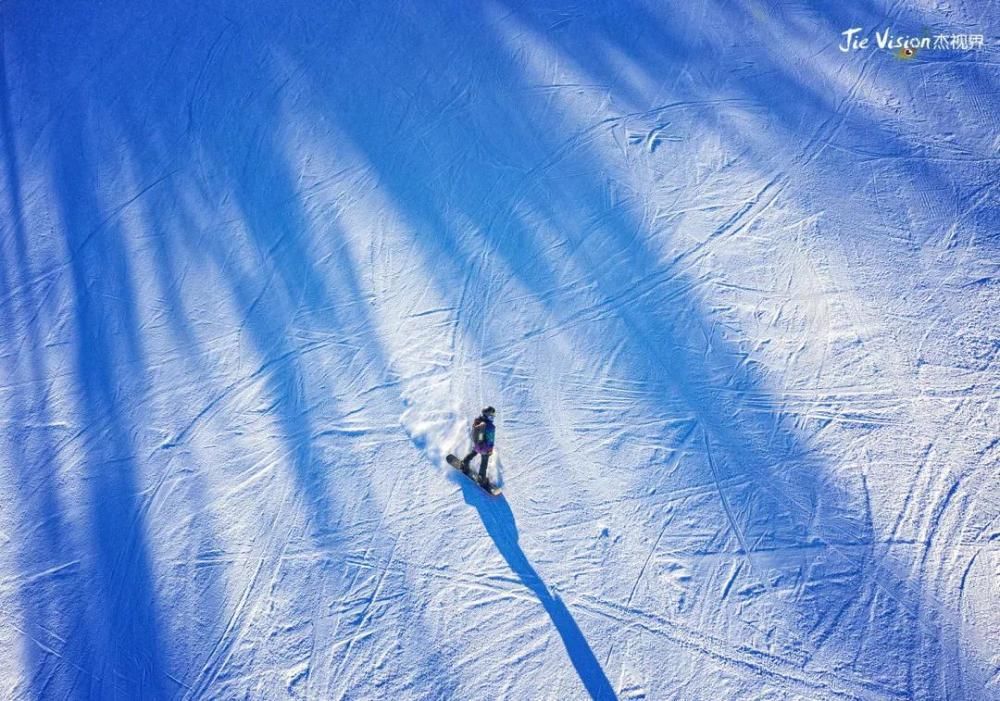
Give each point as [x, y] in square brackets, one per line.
[732, 290]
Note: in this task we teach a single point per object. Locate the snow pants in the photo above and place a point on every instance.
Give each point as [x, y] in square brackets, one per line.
[484, 460]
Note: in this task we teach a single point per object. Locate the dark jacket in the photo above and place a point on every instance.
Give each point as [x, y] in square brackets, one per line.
[484, 434]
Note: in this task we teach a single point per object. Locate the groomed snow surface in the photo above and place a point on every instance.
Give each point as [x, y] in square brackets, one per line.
[733, 291]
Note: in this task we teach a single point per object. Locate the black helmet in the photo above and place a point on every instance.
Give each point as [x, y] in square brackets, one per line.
[489, 411]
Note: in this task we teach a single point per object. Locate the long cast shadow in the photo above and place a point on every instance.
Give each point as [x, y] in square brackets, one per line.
[497, 517]
[778, 493]
[737, 448]
[44, 541]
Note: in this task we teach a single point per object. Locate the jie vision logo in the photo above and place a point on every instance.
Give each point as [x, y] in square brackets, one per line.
[906, 46]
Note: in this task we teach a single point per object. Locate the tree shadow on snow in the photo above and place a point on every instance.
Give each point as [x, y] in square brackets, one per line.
[795, 530]
[800, 533]
[107, 621]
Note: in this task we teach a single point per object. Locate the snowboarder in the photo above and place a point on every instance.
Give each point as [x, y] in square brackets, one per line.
[483, 437]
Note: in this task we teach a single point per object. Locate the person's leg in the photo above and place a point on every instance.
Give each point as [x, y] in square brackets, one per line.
[484, 460]
[467, 460]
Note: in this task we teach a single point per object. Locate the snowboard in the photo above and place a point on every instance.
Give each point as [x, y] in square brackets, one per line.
[456, 462]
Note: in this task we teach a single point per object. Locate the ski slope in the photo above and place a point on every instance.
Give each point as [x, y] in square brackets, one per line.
[733, 291]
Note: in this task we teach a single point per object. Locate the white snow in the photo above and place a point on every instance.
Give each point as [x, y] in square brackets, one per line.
[733, 292]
